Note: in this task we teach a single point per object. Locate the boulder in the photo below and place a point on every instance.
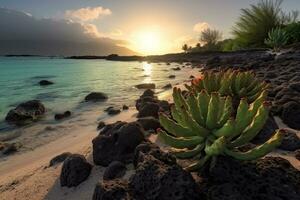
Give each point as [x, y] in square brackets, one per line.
[112, 190]
[149, 123]
[59, 158]
[149, 109]
[8, 148]
[157, 179]
[100, 125]
[45, 82]
[146, 86]
[148, 93]
[171, 76]
[267, 131]
[125, 107]
[74, 171]
[96, 96]
[60, 116]
[114, 170]
[168, 86]
[297, 154]
[290, 142]
[268, 178]
[117, 142]
[25, 112]
[291, 114]
[176, 68]
[112, 111]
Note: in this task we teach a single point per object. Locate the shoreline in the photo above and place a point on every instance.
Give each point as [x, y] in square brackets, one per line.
[27, 175]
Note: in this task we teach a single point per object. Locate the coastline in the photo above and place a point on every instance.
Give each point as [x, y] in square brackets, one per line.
[27, 175]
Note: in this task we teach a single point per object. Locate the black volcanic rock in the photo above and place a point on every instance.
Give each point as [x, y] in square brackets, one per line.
[149, 109]
[290, 142]
[112, 190]
[291, 114]
[45, 82]
[149, 123]
[114, 170]
[74, 171]
[24, 112]
[60, 116]
[268, 178]
[145, 86]
[159, 178]
[59, 158]
[117, 142]
[96, 96]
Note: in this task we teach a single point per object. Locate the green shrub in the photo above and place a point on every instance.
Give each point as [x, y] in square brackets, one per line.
[257, 21]
[203, 127]
[277, 38]
[293, 31]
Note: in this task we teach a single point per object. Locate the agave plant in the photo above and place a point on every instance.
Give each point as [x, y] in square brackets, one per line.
[277, 38]
[231, 82]
[202, 127]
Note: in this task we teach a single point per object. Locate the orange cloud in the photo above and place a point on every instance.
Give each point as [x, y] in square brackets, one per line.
[87, 14]
[201, 26]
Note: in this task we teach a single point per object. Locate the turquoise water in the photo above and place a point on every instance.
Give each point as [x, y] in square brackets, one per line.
[73, 79]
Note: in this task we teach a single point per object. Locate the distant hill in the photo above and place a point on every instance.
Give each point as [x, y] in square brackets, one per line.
[20, 33]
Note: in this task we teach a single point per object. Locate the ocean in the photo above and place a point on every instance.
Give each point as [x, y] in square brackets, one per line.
[74, 79]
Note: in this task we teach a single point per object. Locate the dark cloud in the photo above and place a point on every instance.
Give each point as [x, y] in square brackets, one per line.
[20, 33]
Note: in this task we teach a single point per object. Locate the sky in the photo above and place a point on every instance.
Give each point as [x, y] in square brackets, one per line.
[147, 26]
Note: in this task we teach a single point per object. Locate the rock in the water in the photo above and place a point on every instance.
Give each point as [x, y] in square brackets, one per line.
[148, 93]
[268, 178]
[74, 171]
[168, 86]
[45, 82]
[171, 76]
[146, 86]
[125, 107]
[25, 112]
[117, 142]
[114, 170]
[112, 111]
[112, 190]
[149, 109]
[59, 158]
[100, 125]
[176, 68]
[61, 116]
[290, 142]
[149, 123]
[9, 148]
[291, 114]
[191, 76]
[96, 96]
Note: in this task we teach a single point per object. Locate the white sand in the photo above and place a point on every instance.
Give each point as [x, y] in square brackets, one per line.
[26, 175]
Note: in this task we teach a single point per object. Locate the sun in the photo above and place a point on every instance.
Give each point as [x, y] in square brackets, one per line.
[147, 41]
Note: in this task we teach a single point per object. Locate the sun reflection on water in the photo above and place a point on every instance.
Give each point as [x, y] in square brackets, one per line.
[147, 70]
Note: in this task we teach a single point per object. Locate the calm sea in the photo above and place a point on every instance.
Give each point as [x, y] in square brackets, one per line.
[74, 79]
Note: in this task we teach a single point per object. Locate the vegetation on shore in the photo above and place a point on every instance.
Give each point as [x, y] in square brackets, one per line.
[206, 124]
[261, 25]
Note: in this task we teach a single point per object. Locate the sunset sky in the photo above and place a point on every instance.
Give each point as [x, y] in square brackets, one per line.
[147, 27]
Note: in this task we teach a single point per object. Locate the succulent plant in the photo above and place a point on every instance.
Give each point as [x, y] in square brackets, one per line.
[231, 82]
[277, 38]
[203, 127]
